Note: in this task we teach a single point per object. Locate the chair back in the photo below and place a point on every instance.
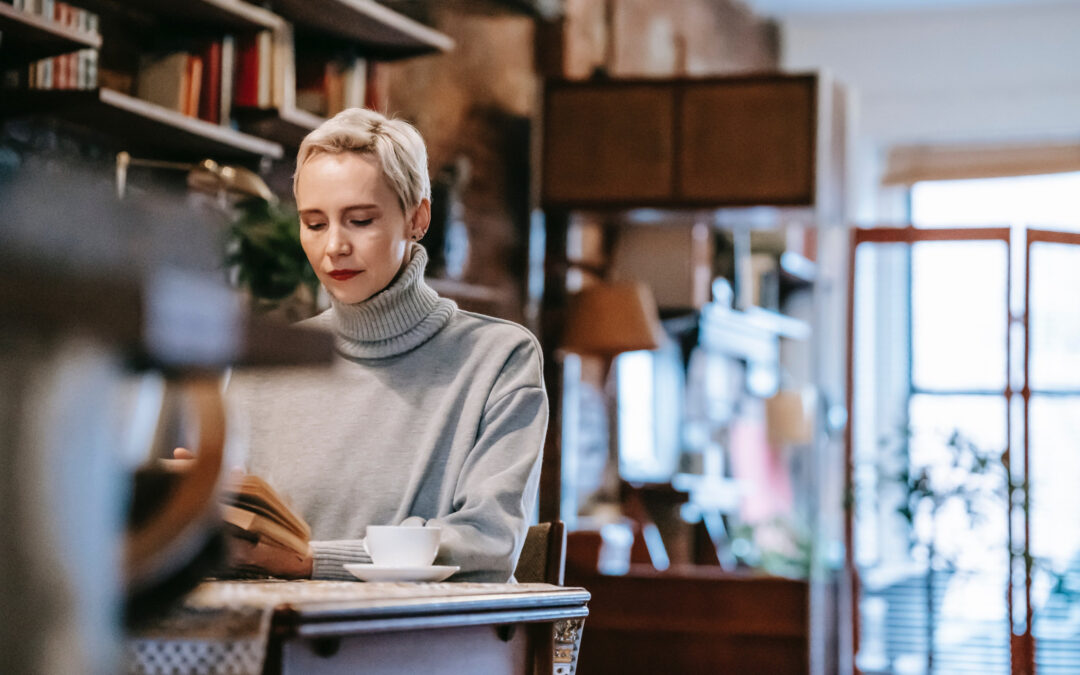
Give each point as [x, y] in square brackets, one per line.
[543, 555]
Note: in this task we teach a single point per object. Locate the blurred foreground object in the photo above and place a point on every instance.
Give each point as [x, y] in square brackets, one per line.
[90, 290]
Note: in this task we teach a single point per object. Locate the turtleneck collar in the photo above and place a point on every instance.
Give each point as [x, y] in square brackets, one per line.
[395, 320]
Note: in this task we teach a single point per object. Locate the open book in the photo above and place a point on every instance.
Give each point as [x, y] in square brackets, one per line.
[254, 511]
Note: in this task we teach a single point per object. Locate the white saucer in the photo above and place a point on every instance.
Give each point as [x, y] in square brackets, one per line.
[369, 572]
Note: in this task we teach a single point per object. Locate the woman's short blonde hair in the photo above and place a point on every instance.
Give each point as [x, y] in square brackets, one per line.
[395, 144]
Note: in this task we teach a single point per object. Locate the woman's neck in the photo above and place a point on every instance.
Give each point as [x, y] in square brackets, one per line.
[395, 320]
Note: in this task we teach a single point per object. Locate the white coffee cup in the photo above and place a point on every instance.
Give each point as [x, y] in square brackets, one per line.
[402, 545]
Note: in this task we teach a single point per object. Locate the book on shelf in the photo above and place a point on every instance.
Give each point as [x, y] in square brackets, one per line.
[327, 86]
[265, 71]
[378, 88]
[254, 511]
[196, 84]
[75, 70]
[253, 70]
[210, 78]
[283, 69]
[165, 80]
[228, 70]
[193, 92]
[60, 12]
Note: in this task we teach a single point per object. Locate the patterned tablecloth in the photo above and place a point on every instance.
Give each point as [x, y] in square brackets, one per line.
[223, 627]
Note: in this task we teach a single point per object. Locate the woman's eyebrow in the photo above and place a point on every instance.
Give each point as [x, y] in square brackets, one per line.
[361, 207]
[311, 212]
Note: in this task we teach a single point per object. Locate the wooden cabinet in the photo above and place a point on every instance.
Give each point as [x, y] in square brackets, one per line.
[734, 141]
[747, 142]
[694, 620]
[609, 144]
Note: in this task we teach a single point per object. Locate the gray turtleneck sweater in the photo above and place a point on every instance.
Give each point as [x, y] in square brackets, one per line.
[430, 411]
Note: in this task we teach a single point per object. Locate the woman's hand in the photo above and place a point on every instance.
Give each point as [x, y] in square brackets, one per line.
[260, 557]
[263, 558]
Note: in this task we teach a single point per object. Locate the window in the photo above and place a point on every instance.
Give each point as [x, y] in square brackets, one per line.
[948, 329]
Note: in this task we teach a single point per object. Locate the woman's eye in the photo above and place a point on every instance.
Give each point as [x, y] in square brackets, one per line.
[315, 226]
[361, 223]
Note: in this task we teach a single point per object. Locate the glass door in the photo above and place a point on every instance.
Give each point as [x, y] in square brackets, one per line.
[930, 440]
[1051, 411]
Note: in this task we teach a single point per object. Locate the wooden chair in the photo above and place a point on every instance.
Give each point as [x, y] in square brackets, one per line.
[543, 556]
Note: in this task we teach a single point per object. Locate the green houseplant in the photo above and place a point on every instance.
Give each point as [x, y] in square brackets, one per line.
[264, 253]
[963, 475]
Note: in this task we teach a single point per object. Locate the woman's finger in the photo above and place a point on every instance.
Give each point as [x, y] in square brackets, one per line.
[183, 453]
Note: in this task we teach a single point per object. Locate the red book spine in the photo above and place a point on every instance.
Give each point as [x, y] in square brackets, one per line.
[247, 72]
[377, 92]
[210, 97]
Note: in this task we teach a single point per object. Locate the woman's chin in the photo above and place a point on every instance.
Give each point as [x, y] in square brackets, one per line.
[351, 298]
[348, 296]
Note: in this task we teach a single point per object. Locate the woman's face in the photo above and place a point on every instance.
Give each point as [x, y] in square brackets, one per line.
[352, 227]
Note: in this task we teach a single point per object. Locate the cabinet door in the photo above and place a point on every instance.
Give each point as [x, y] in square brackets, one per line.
[748, 141]
[608, 144]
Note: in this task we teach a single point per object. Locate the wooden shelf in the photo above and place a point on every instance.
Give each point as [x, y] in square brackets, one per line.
[26, 37]
[540, 9]
[382, 33]
[287, 126]
[218, 15]
[143, 125]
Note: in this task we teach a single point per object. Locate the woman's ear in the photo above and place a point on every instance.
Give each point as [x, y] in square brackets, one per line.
[420, 220]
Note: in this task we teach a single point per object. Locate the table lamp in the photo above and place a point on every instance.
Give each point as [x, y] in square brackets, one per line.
[206, 176]
[606, 319]
[603, 321]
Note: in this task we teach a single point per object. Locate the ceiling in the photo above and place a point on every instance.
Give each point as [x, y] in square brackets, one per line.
[788, 7]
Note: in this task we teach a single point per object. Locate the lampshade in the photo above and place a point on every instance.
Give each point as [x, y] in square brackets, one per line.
[207, 176]
[606, 319]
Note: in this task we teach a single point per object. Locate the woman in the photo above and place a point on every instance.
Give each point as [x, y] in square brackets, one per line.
[430, 412]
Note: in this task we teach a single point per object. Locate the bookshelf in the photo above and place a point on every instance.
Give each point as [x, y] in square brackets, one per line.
[381, 32]
[359, 26]
[217, 15]
[26, 38]
[143, 125]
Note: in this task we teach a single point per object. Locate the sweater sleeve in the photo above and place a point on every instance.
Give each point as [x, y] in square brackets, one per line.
[328, 558]
[496, 490]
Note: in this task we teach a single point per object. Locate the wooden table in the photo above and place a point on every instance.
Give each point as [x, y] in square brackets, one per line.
[341, 627]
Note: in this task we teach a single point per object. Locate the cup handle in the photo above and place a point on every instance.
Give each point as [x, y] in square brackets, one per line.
[157, 544]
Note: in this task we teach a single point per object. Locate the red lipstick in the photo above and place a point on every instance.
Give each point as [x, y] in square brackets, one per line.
[343, 275]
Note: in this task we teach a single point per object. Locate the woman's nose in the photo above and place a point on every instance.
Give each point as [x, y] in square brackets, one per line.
[338, 244]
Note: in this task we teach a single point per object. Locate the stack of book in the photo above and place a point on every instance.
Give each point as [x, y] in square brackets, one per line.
[326, 87]
[77, 70]
[265, 70]
[196, 84]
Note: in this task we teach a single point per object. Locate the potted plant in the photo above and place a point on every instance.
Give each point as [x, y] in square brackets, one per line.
[264, 253]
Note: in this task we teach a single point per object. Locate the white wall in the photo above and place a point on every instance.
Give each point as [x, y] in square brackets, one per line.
[948, 75]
